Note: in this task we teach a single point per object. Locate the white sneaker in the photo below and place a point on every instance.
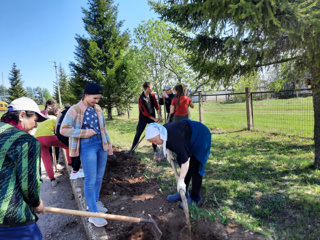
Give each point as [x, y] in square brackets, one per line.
[101, 207]
[98, 222]
[76, 175]
[81, 170]
[59, 166]
[54, 182]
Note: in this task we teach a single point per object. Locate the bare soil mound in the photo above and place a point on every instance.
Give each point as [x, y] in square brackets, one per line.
[126, 191]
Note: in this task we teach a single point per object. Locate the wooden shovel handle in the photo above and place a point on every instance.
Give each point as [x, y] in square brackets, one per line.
[94, 214]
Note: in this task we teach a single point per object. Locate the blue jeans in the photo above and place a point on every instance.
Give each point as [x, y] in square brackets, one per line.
[28, 232]
[94, 161]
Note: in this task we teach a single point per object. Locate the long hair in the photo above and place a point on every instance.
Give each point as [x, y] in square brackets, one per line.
[179, 93]
[50, 102]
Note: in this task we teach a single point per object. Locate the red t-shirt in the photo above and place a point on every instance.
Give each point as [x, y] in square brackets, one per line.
[182, 109]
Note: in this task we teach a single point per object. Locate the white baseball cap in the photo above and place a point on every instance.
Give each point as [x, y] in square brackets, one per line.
[26, 104]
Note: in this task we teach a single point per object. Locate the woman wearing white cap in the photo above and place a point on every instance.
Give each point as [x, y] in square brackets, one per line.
[20, 171]
[191, 141]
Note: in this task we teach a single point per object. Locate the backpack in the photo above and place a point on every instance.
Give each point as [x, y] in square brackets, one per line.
[63, 139]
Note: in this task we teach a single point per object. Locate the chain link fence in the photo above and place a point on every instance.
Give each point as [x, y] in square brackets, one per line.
[287, 112]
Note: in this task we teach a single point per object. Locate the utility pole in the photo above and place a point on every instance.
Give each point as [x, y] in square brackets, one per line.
[58, 85]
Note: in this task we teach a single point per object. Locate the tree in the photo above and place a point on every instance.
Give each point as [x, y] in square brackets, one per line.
[64, 86]
[103, 57]
[3, 92]
[233, 37]
[30, 91]
[16, 90]
[161, 58]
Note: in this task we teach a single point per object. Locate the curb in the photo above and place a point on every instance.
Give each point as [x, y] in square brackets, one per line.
[93, 233]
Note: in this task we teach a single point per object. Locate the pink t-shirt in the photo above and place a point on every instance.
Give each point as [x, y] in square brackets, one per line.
[182, 109]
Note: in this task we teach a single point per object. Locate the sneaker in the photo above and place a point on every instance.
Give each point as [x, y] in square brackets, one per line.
[54, 182]
[60, 167]
[76, 175]
[176, 197]
[190, 202]
[81, 170]
[101, 207]
[98, 222]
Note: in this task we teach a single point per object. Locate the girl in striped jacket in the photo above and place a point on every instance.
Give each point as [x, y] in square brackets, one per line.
[84, 124]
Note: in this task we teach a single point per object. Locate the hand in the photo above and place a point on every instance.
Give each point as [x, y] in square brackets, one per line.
[169, 156]
[40, 208]
[181, 185]
[165, 95]
[160, 119]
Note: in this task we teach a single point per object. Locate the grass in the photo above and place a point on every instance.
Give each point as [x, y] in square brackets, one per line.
[264, 182]
[287, 116]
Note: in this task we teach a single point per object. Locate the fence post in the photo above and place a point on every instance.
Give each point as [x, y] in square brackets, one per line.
[249, 108]
[200, 107]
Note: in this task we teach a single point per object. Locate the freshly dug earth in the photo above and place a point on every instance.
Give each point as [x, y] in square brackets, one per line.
[126, 191]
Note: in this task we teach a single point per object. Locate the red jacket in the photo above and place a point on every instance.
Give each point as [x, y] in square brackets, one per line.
[143, 105]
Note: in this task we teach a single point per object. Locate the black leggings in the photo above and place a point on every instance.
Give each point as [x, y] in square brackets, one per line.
[75, 163]
[140, 128]
[193, 173]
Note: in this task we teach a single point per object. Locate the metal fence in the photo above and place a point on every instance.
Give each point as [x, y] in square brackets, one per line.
[287, 112]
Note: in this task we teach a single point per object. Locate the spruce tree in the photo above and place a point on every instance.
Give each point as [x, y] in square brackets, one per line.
[16, 90]
[103, 56]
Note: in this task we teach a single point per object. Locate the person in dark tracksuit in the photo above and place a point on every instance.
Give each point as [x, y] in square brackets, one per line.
[148, 105]
[166, 100]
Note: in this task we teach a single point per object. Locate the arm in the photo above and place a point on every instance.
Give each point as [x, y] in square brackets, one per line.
[68, 126]
[172, 109]
[191, 104]
[57, 121]
[29, 172]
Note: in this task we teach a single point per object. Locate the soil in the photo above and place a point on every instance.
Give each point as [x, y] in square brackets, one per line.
[126, 191]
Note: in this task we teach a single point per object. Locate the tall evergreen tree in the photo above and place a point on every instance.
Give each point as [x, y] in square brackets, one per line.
[235, 37]
[16, 90]
[103, 56]
[64, 86]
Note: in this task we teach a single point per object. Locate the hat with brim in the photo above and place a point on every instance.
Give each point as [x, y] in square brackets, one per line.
[26, 104]
[167, 88]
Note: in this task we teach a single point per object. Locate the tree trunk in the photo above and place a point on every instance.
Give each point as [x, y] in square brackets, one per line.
[316, 109]
[120, 111]
[109, 112]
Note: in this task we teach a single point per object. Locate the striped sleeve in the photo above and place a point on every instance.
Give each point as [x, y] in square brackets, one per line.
[70, 128]
[29, 171]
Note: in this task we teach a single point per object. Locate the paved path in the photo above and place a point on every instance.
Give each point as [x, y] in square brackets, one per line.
[59, 226]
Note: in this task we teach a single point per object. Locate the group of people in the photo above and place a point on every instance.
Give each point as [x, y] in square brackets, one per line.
[83, 134]
[189, 140]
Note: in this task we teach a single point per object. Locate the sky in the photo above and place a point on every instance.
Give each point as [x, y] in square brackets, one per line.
[36, 31]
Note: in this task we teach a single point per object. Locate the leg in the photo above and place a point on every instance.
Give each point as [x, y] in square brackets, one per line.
[88, 155]
[141, 126]
[56, 143]
[196, 179]
[101, 167]
[46, 157]
[76, 163]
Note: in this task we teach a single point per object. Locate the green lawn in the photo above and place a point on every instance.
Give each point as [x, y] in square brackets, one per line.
[288, 116]
[264, 182]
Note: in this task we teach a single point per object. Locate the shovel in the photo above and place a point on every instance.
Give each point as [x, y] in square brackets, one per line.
[183, 197]
[154, 227]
